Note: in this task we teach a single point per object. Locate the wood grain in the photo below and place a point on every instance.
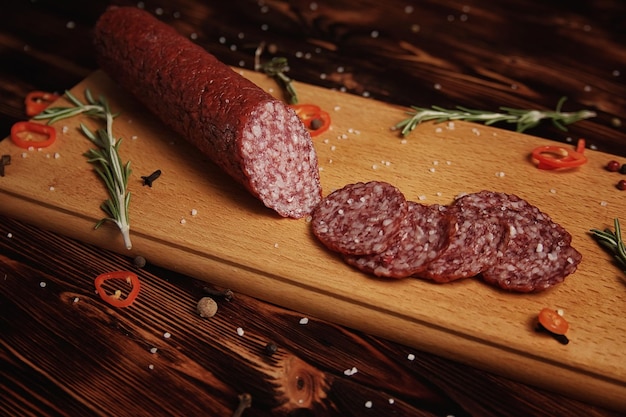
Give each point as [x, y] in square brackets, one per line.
[66, 353]
[266, 258]
[477, 53]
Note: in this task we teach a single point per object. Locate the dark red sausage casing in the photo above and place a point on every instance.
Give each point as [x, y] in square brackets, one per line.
[255, 138]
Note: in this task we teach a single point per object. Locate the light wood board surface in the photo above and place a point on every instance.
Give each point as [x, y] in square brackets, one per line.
[233, 241]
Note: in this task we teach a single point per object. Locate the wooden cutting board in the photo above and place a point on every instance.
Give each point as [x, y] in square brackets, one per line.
[197, 221]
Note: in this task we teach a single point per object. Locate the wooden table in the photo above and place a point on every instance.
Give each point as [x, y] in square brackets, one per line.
[66, 354]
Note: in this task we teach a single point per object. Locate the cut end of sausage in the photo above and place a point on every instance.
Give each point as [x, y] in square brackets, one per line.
[280, 160]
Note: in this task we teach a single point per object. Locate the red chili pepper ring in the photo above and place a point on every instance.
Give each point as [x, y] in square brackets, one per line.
[555, 157]
[131, 278]
[27, 134]
[38, 101]
[316, 120]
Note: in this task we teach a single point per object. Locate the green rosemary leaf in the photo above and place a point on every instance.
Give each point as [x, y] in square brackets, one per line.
[106, 158]
[522, 118]
[612, 242]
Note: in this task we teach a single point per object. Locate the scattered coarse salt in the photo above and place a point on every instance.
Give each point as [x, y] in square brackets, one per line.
[350, 371]
[31, 148]
[403, 141]
[158, 11]
[42, 284]
[76, 299]
[70, 25]
[337, 108]
[437, 86]
[391, 401]
[552, 190]
[153, 350]
[167, 335]
[539, 248]
[374, 34]
[304, 320]
[421, 197]
[276, 245]
[332, 148]
[500, 174]
[151, 366]
[604, 203]
[24, 154]
[57, 155]
[134, 137]
[368, 404]
[193, 36]
[9, 235]
[183, 221]
[240, 331]
[476, 131]
[194, 212]
[374, 166]
[51, 188]
[431, 169]
[410, 357]
[450, 126]
[408, 9]
[65, 129]
[616, 73]
[560, 312]
[438, 130]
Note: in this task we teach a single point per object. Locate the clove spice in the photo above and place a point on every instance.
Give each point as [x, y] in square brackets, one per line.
[4, 161]
[226, 294]
[148, 180]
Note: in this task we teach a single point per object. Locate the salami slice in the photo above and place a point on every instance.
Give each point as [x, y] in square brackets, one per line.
[360, 218]
[537, 253]
[422, 236]
[256, 139]
[475, 240]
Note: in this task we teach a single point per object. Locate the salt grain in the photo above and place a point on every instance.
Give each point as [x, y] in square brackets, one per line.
[410, 357]
[194, 212]
[51, 188]
[368, 404]
[151, 366]
[240, 331]
[350, 371]
[603, 203]
[42, 284]
[153, 350]
[167, 335]
[304, 320]
[76, 299]
[391, 401]
[70, 25]
[57, 155]
[9, 235]
[183, 221]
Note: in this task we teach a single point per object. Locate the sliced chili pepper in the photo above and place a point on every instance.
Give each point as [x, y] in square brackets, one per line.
[316, 120]
[129, 277]
[552, 321]
[37, 101]
[554, 157]
[27, 134]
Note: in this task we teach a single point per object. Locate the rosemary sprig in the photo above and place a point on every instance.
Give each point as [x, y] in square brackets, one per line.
[105, 158]
[524, 119]
[277, 68]
[612, 241]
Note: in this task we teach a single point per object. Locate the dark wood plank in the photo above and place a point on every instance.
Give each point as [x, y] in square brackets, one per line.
[67, 358]
[66, 352]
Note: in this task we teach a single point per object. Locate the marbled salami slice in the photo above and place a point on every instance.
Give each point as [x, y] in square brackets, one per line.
[476, 236]
[537, 252]
[360, 218]
[422, 236]
[256, 139]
